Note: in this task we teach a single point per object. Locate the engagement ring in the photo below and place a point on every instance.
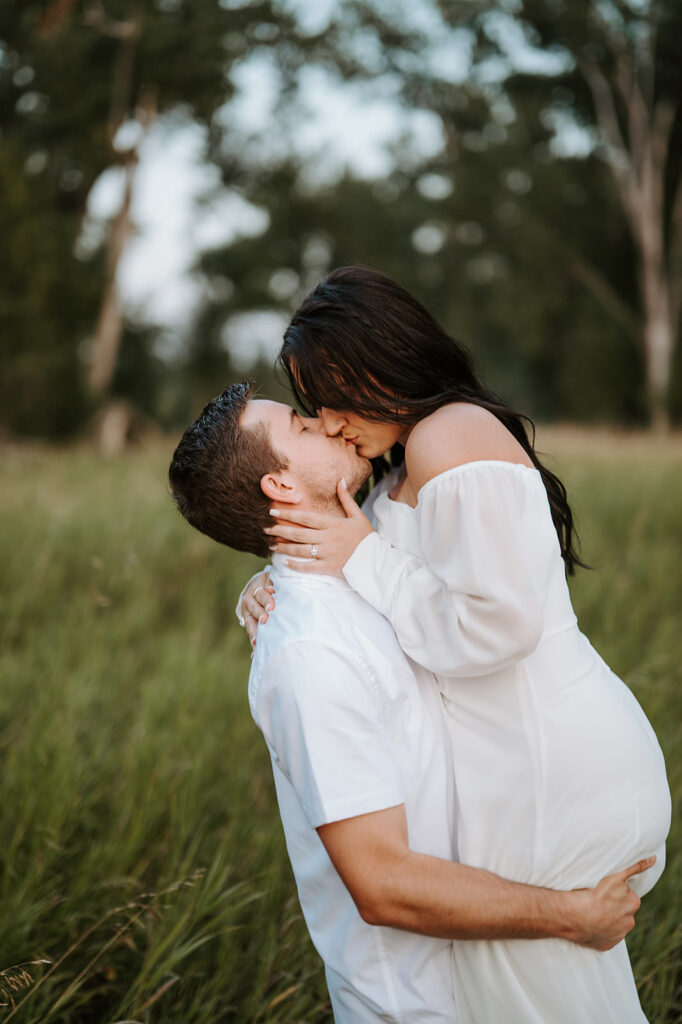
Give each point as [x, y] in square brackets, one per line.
[313, 550]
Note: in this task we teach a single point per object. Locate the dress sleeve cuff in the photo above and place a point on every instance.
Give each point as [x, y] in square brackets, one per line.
[374, 569]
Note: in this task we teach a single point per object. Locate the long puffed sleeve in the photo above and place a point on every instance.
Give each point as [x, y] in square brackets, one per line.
[472, 600]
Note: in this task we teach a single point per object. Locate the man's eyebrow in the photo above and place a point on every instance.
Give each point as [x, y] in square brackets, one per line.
[294, 417]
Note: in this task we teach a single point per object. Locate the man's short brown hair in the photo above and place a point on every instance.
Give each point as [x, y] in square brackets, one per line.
[216, 471]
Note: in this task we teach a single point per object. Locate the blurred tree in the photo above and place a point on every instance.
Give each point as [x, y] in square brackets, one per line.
[48, 299]
[80, 81]
[628, 57]
[611, 68]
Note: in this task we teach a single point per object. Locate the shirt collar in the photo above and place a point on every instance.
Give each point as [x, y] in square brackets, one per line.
[280, 568]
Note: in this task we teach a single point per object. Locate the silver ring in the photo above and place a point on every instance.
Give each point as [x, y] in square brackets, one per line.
[313, 550]
[256, 591]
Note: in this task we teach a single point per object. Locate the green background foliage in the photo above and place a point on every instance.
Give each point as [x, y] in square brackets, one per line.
[131, 765]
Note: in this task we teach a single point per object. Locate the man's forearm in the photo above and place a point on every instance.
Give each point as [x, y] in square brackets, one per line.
[437, 897]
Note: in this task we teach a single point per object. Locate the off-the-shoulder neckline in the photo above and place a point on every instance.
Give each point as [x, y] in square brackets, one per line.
[474, 464]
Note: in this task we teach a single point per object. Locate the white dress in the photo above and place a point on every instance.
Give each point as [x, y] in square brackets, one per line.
[560, 779]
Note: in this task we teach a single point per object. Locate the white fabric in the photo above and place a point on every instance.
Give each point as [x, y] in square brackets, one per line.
[352, 729]
[560, 779]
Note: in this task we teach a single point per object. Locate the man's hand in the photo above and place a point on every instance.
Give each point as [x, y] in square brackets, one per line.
[326, 540]
[606, 913]
[257, 601]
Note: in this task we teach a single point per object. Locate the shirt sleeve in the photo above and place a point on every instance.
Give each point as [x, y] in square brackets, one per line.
[322, 715]
[474, 602]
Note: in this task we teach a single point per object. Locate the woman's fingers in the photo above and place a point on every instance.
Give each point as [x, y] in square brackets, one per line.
[256, 606]
[251, 627]
[295, 550]
[315, 520]
[256, 586]
[300, 534]
[348, 503]
[311, 565]
[257, 601]
[265, 597]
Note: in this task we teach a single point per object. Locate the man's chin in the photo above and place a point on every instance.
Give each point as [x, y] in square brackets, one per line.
[357, 479]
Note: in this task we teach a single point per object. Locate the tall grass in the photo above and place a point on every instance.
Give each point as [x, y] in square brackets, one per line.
[142, 855]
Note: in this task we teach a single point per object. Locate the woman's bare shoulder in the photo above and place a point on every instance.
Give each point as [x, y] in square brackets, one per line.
[454, 435]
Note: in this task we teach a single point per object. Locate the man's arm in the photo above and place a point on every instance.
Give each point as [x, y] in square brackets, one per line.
[392, 885]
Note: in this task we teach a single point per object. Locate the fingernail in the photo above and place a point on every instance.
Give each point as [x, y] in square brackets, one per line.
[270, 608]
[275, 512]
[267, 529]
[343, 484]
[263, 618]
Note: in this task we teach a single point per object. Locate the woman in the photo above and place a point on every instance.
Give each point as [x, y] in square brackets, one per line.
[559, 776]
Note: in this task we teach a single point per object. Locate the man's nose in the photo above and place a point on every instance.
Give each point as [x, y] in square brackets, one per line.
[331, 421]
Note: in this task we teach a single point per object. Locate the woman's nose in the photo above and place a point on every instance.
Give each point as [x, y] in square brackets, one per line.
[331, 421]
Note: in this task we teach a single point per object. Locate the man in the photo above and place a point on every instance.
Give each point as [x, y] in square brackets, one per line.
[358, 746]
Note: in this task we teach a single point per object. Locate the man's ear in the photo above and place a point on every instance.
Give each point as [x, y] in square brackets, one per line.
[280, 488]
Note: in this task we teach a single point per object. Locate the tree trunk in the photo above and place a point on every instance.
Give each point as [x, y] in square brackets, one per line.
[658, 332]
[647, 221]
[638, 161]
[105, 344]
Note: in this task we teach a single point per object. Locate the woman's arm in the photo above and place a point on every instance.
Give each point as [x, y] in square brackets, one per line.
[474, 603]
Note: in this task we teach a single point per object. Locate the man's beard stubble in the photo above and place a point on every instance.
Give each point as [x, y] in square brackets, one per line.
[324, 497]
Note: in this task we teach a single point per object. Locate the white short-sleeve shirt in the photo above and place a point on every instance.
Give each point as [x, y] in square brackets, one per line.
[353, 727]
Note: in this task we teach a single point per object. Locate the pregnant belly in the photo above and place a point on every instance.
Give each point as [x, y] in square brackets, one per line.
[565, 781]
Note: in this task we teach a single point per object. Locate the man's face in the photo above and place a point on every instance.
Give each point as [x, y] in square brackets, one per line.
[316, 462]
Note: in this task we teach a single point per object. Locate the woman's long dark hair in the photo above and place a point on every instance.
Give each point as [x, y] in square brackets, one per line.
[361, 343]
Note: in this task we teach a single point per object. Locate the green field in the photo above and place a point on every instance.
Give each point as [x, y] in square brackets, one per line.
[141, 849]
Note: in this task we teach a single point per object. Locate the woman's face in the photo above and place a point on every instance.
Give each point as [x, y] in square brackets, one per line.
[370, 438]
